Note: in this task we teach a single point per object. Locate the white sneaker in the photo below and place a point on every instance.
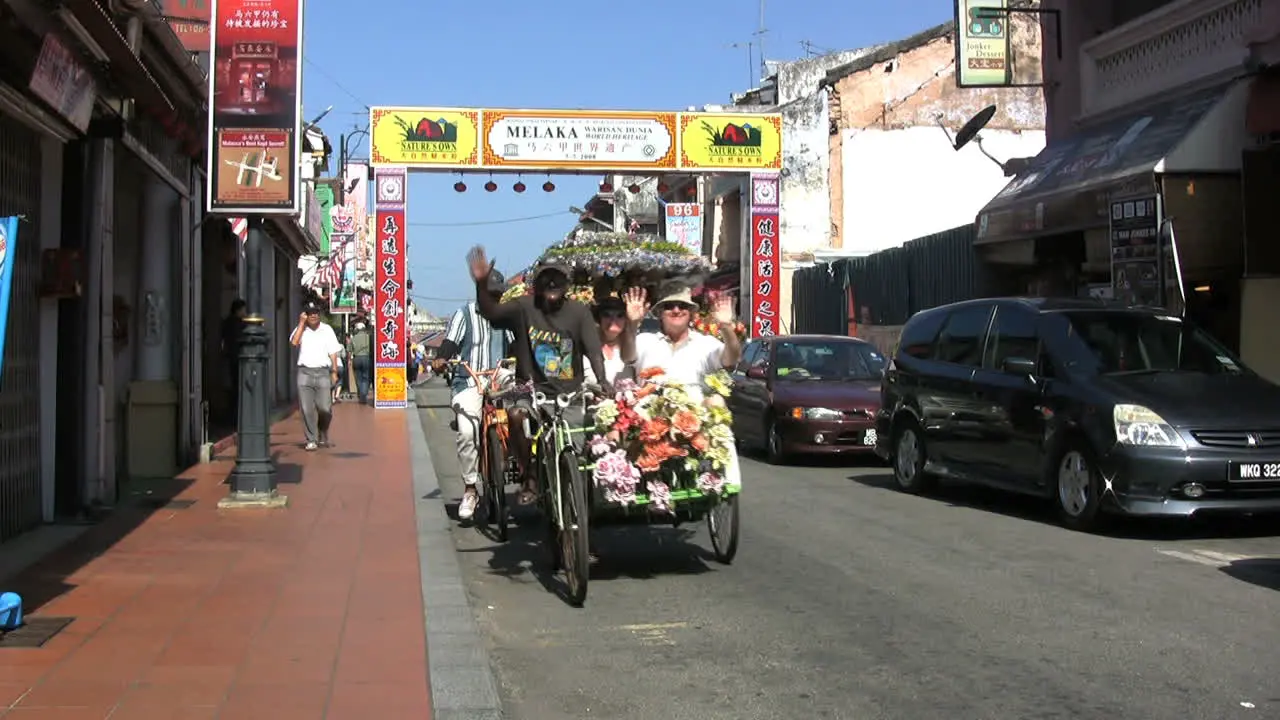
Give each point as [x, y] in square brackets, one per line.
[467, 508]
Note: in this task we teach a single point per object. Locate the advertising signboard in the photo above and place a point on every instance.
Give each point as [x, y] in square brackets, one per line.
[255, 95]
[765, 256]
[390, 290]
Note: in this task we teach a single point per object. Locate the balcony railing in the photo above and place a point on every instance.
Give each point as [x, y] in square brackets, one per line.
[1179, 44]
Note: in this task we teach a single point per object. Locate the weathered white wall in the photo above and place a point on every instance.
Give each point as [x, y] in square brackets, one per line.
[805, 195]
[902, 184]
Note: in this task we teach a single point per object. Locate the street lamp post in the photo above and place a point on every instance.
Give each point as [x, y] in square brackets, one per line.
[253, 481]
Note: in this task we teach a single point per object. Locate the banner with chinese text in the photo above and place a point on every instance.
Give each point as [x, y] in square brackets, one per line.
[684, 226]
[765, 257]
[390, 290]
[255, 95]
[355, 185]
[342, 275]
[8, 258]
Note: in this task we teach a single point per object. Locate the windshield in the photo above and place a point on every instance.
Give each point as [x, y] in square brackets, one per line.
[1122, 342]
[833, 360]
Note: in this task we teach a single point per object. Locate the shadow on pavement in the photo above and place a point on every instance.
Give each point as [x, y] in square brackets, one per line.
[1041, 510]
[47, 579]
[1263, 572]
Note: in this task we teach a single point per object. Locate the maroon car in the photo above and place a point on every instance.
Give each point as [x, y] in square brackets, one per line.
[807, 394]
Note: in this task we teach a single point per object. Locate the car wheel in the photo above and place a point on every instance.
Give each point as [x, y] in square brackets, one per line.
[774, 449]
[908, 458]
[1077, 488]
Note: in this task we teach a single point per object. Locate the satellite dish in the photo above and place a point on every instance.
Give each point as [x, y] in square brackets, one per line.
[975, 124]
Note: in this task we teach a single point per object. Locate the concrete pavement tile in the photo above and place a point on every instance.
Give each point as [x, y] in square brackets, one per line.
[458, 649]
[462, 688]
[445, 595]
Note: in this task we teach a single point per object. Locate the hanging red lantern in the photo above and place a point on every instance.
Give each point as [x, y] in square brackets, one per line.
[491, 186]
[460, 186]
[518, 187]
[548, 186]
[692, 191]
[633, 188]
[663, 187]
[606, 187]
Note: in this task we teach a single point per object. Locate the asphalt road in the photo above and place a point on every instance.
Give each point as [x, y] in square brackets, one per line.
[851, 600]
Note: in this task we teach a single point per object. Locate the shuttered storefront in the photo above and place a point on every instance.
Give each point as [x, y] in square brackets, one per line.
[20, 377]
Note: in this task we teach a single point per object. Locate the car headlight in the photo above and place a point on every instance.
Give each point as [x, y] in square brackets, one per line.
[1138, 425]
[816, 413]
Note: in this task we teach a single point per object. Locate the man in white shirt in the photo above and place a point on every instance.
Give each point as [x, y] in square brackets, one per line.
[318, 349]
[684, 354]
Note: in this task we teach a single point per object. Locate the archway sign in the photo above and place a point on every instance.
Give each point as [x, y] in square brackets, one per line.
[460, 140]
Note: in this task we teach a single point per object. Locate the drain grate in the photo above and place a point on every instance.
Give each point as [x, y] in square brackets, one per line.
[164, 504]
[34, 633]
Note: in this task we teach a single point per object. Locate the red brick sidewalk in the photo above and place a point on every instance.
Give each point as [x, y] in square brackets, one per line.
[314, 611]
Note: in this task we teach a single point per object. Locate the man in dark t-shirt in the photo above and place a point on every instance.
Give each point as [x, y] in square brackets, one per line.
[555, 336]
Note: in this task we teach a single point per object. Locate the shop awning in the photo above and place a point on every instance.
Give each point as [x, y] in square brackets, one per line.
[1067, 186]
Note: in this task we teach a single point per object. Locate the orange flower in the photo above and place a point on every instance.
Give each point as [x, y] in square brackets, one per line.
[686, 422]
[650, 373]
[646, 391]
[700, 442]
[648, 463]
[654, 430]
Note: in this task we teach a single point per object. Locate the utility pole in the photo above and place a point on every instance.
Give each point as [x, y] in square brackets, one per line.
[760, 33]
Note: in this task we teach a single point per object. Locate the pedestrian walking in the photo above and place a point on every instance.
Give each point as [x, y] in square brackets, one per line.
[318, 350]
[361, 353]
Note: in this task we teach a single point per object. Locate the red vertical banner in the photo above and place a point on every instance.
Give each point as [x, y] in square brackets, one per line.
[390, 292]
[765, 256]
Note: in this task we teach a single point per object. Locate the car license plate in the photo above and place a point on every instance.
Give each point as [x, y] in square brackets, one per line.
[1247, 472]
[869, 437]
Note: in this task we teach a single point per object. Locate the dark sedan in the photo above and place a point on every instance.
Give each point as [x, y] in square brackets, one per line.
[807, 395]
[1095, 406]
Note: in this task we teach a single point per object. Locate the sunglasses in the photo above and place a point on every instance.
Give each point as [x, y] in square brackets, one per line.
[675, 308]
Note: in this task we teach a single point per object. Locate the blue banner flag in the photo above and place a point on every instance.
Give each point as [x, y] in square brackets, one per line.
[8, 258]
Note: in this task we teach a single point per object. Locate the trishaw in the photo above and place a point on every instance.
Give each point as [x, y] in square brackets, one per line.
[655, 452]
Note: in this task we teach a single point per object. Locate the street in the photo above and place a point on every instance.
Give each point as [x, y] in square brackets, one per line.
[849, 599]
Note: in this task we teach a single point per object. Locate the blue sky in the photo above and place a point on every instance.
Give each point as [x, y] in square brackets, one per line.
[655, 55]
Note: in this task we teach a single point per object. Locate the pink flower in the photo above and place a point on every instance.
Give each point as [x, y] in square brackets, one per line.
[711, 483]
[659, 496]
[598, 445]
[617, 477]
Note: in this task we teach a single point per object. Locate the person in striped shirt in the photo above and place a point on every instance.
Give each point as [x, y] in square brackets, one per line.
[471, 339]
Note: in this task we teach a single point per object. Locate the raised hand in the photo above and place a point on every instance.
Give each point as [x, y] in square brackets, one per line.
[722, 310]
[479, 264]
[637, 306]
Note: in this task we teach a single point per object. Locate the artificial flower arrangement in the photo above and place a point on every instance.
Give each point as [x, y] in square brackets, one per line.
[703, 323]
[656, 434]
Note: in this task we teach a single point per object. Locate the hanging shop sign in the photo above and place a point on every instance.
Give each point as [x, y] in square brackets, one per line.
[189, 20]
[579, 140]
[684, 226]
[390, 290]
[342, 275]
[62, 81]
[255, 95]
[766, 256]
[355, 186]
[982, 44]
[603, 141]
[727, 142]
[8, 258]
[424, 137]
[1135, 251]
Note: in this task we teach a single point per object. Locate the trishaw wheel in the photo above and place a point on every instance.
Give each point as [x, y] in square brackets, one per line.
[496, 485]
[575, 554]
[722, 521]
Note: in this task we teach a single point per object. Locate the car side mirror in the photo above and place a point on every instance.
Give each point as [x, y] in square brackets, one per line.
[756, 373]
[1019, 366]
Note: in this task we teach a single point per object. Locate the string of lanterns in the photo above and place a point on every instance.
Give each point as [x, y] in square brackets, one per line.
[606, 187]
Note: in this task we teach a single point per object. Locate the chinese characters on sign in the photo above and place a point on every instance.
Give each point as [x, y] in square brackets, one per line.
[390, 290]
[254, 95]
[765, 257]
[684, 226]
[982, 48]
[567, 139]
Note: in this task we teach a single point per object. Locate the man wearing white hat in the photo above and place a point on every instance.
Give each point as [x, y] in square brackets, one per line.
[686, 355]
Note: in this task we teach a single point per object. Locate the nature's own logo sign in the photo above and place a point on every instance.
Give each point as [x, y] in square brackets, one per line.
[734, 140]
[439, 137]
[426, 135]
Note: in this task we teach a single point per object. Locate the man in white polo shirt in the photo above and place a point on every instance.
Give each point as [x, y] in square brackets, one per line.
[686, 355]
[318, 349]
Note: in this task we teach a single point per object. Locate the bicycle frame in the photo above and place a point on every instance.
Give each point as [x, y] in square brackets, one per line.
[487, 385]
[560, 439]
